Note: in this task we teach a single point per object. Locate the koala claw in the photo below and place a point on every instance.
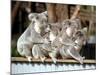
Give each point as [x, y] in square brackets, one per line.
[42, 59]
[81, 60]
[29, 58]
[53, 57]
[54, 60]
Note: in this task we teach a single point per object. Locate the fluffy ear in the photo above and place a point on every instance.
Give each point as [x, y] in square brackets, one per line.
[31, 16]
[85, 29]
[48, 28]
[44, 13]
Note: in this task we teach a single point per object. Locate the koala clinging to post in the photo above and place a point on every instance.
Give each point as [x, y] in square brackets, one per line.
[32, 34]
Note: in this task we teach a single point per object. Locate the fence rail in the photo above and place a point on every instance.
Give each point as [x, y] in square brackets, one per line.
[22, 59]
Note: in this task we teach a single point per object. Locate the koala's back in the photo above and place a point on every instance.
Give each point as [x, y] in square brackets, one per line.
[24, 37]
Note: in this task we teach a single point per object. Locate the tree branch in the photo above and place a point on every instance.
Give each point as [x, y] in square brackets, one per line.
[75, 14]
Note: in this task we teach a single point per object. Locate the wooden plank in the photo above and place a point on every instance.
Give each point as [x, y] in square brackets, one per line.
[51, 12]
[22, 59]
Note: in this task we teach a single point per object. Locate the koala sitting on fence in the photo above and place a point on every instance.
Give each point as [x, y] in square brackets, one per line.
[32, 34]
[41, 51]
[47, 49]
[68, 51]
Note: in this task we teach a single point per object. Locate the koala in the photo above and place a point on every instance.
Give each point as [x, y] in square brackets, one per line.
[32, 35]
[55, 29]
[68, 51]
[69, 27]
[47, 49]
[80, 38]
[66, 35]
[41, 51]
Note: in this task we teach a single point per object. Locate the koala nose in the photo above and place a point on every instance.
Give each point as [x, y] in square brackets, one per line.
[50, 41]
[33, 21]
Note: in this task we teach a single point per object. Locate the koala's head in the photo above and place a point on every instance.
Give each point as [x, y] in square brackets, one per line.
[65, 24]
[71, 26]
[39, 21]
[81, 36]
[70, 31]
[76, 23]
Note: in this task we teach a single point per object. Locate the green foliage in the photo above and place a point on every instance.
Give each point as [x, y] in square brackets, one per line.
[14, 52]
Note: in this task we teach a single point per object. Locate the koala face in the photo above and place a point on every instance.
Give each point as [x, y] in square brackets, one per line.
[38, 16]
[71, 26]
[39, 20]
[70, 31]
[80, 37]
[76, 23]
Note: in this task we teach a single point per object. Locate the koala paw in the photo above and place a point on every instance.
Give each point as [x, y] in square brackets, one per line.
[42, 59]
[29, 58]
[81, 60]
[54, 60]
[53, 57]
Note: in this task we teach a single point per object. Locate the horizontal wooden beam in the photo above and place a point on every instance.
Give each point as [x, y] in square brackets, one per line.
[22, 59]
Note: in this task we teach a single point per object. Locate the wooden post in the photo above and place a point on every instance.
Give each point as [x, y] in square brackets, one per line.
[61, 12]
[51, 12]
[57, 12]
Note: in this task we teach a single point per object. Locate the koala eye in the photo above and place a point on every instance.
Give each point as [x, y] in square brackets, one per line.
[31, 17]
[37, 17]
[46, 16]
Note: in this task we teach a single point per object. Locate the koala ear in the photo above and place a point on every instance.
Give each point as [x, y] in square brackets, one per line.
[48, 28]
[45, 13]
[84, 29]
[31, 16]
